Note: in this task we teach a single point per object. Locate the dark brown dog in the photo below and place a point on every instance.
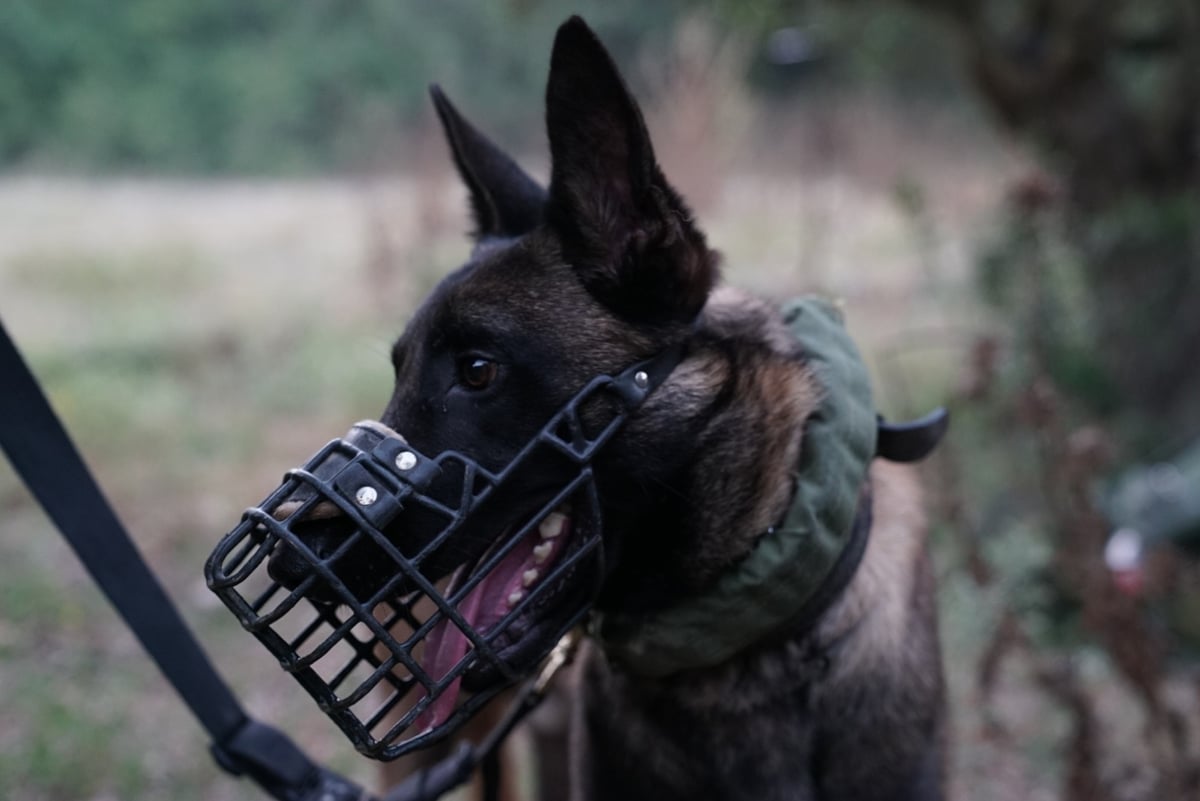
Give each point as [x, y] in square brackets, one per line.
[605, 268]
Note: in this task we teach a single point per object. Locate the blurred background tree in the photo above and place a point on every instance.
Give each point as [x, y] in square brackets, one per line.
[264, 88]
[1107, 94]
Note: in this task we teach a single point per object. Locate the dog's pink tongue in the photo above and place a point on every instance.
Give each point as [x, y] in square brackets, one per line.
[446, 645]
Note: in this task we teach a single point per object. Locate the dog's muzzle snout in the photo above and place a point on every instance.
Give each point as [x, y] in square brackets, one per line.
[404, 590]
[365, 617]
[322, 524]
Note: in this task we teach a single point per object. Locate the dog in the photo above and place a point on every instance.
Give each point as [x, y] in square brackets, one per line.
[839, 700]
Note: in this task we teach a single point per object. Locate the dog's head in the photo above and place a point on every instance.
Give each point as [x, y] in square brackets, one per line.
[599, 273]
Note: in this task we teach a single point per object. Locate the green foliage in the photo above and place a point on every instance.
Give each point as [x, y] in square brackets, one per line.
[270, 86]
[1103, 303]
[881, 46]
[1031, 269]
[282, 87]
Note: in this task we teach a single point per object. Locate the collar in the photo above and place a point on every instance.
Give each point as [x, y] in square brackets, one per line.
[791, 571]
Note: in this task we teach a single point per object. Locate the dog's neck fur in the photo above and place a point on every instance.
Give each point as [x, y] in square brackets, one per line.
[743, 362]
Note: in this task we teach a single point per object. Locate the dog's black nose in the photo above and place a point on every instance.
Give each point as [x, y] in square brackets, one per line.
[291, 566]
[288, 567]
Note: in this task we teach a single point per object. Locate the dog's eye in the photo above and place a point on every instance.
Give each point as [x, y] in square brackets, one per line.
[477, 373]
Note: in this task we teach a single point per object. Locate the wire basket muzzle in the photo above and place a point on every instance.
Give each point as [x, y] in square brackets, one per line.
[393, 649]
[365, 573]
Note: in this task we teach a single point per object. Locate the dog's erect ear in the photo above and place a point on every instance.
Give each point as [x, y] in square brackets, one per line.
[505, 201]
[622, 225]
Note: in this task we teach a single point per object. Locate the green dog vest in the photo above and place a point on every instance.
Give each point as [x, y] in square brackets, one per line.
[768, 589]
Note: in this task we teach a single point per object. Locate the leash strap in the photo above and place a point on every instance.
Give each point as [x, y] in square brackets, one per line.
[44, 457]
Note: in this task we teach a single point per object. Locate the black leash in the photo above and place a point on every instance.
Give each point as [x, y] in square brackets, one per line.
[43, 456]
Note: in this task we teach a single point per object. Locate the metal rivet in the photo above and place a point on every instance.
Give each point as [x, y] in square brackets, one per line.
[366, 496]
[406, 460]
[641, 379]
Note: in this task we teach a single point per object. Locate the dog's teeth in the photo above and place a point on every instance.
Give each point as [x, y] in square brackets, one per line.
[528, 577]
[515, 597]
[541, 552]
[551, 527]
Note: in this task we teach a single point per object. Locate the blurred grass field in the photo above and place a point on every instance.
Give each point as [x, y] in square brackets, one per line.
[199, 338]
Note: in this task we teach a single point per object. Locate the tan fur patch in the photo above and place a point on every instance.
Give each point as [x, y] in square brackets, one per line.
[750, 448]
[876, 608]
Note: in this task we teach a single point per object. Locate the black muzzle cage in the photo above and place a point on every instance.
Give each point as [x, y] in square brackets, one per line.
[366, 661]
